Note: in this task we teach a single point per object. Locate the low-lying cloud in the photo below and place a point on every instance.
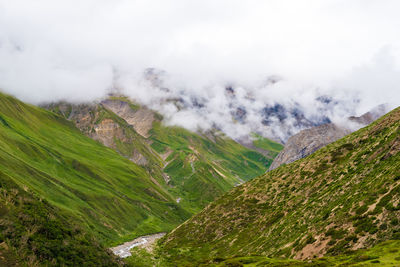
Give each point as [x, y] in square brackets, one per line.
[283, 52]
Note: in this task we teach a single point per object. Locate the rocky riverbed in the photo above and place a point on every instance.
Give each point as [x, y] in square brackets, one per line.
[146, 242]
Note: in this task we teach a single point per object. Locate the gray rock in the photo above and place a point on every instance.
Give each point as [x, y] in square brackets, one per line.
[310, 140]
[307, 142]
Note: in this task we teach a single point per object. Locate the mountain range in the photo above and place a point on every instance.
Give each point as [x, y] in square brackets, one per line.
[341, 198]
[76, 179]
[65, 193]
[311, 139]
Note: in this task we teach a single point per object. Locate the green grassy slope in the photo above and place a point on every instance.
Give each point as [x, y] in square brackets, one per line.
[194, 169]
[34, 233]
[343, 197]
[106, 193]
[385, 254]
[267, 144]
[202, 169]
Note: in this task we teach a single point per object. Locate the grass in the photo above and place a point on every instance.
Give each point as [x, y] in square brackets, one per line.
[34, 233]
[384, 254]
[106, 193]
[267, 144]
[201, 169]
[344, 196]
[84, 196]
[198, 168]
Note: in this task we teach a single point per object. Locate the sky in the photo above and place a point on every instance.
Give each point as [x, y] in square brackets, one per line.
[77, 50]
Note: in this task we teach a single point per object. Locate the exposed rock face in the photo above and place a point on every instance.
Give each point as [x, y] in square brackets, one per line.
[323, 204]
[106, 132]
[89, 119]
[85, 117]
[178, 162]
[82, 115]
[138, 158]
[141, 119]
[307, 142]
[310, 140]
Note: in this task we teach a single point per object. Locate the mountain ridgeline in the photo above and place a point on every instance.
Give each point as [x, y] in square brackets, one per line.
[64, 196]
[77, 178]
[344, 197]
[310, 140]
[96, 187]
[194, 169]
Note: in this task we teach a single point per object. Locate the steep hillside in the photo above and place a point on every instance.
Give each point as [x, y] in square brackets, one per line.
[34, 233]
[110, 196]
[343, 197]
[193, 168]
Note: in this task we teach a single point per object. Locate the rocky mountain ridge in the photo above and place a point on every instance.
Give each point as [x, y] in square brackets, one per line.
[341, 198]
[238, 109]
[310, 140]
[177, 160]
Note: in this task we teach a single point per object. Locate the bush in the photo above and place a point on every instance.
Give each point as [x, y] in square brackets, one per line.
[383, 226]
[361, 210]
[336, 234]
[310, 239]
[396, 236]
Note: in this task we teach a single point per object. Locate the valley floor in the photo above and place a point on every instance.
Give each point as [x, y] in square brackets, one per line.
[146, 242]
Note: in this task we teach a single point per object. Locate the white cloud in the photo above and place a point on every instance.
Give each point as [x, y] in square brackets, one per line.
[51, 50]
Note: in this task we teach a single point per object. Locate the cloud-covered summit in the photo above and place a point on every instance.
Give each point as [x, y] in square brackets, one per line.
[347, 51]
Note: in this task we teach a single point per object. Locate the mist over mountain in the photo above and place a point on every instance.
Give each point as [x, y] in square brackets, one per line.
[199, 133]
[239, 110]
[270, 67]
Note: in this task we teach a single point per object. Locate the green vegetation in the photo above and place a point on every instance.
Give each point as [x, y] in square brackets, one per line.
[192, 168]
[267, 144]
[64, 196]
[384, 254]
[110, 196]
[201, 169]
[343, 197]
[54, 178]
[33, 233]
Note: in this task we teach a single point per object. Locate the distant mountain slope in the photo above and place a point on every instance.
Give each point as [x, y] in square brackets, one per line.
[307, 142]
[310, 140]
[109, 195]
[343, 197]
[270, 149]
[193, 168]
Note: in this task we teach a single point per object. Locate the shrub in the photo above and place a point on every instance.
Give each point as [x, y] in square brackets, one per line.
[310, 239]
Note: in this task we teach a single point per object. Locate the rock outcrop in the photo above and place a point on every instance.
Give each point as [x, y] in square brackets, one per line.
[307, 142]
[194, 168]
[140, 118]
[310, 140]
[94, 121]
